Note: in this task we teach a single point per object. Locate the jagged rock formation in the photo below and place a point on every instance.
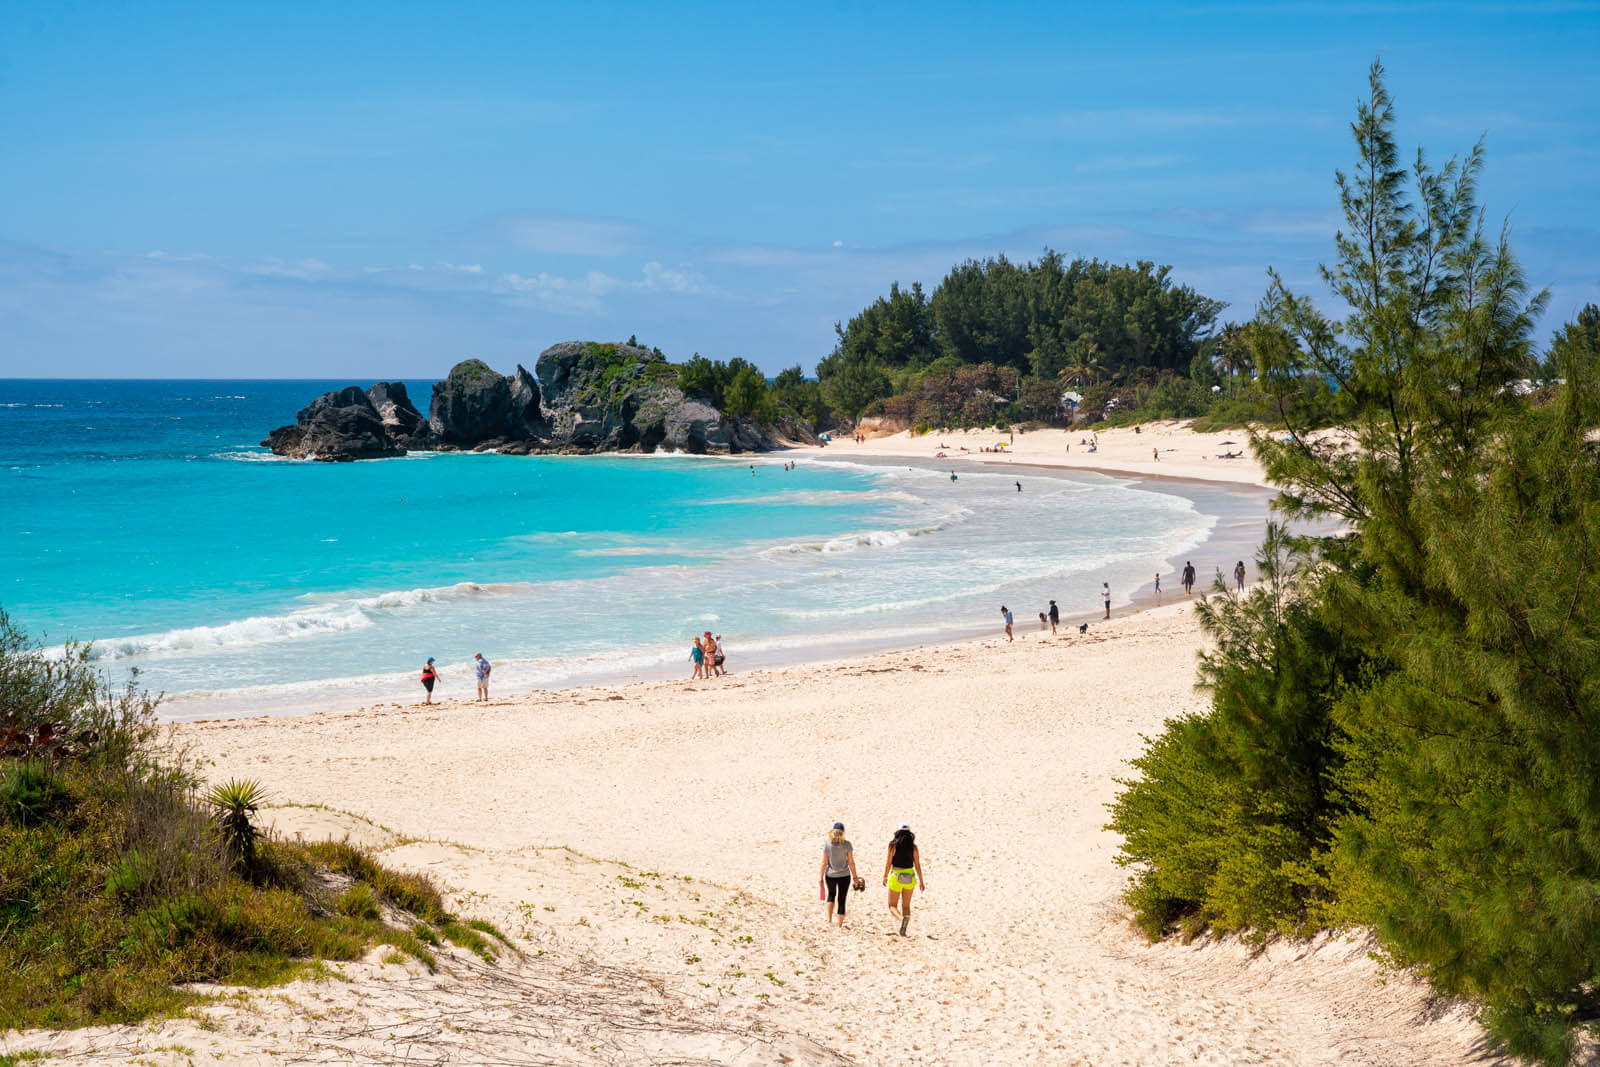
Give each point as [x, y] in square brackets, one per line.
[341, 425]
[401, 420]
[584, 397]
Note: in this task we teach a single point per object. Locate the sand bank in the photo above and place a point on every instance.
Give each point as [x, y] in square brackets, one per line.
[655, 848]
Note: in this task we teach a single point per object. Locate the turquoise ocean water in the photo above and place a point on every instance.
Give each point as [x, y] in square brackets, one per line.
[144, 517]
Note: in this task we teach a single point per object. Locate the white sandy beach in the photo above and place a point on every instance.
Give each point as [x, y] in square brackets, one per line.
[1182, 452]
[655, 847]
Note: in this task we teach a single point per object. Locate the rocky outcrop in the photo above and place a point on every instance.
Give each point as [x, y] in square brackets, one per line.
[473, 407]
[342, 425]
[401, 420]
[582, 397]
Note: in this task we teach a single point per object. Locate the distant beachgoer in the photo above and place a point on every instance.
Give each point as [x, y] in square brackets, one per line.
[1188, 578]
[1019, 487]
[1105, 594]
[1238, 576]
[1044, 622]
[1155, 454]
[481, 666]
[430, 674]
[1055, 616]
[1158, 587]
[1005, 613]
[952, 476]
[902, 873]
[838, 870]
[697, 654]
[713, 650]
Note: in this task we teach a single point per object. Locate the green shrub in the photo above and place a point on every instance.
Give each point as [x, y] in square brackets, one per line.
[358, 902]
[129, 880]
[30, 792]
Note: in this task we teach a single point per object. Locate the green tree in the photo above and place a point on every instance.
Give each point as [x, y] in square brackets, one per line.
[1445, 773]
[1582, 333]
[747, 395]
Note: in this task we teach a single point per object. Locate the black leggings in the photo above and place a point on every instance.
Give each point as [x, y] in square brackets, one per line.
[838, 886]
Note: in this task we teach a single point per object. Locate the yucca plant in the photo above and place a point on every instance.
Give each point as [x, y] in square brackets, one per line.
[233, 803]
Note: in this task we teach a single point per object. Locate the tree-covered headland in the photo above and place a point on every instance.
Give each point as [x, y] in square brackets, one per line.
[1404, 726]
[1000, 342]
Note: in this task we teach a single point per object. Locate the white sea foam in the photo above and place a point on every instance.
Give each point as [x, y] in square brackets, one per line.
[264, 630]
[819, 498]
[319, 618]
[254, 457]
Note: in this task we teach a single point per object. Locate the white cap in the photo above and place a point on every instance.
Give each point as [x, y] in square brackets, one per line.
[905, 826]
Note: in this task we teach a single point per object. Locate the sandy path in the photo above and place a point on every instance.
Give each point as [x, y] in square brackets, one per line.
[717, 795]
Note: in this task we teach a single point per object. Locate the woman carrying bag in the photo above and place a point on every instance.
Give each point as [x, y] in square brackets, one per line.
[839, 871]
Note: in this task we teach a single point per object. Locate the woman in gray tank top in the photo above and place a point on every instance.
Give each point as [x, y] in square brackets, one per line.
[838, 870]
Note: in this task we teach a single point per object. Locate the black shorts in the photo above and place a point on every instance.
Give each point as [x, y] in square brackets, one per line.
[427, 683]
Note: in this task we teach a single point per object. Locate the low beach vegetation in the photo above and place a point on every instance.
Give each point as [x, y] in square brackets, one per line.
[121, 881]
[1401, 735]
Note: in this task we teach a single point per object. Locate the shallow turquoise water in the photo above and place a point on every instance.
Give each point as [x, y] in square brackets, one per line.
[143, 517]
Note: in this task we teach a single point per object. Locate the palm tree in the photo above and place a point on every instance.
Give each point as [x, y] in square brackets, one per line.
[1232, 356]
[1084, 365]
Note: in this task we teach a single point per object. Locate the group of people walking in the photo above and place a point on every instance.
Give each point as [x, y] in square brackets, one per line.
[708, 657]
[902, 874]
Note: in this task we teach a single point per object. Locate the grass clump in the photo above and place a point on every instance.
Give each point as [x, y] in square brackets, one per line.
[469, 938]
[120, 881]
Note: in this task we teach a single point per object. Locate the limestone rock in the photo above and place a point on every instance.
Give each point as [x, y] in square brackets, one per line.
[337, 426]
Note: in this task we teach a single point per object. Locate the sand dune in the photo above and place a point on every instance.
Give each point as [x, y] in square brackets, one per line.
[666, 836]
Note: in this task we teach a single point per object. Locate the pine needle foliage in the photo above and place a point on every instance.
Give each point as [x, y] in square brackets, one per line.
[1407, 736]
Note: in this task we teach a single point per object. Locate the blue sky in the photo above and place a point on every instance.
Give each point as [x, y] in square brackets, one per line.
[370, 190]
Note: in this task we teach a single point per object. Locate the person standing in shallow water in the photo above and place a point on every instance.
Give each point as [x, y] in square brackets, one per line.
[1188, 578]
[902, 873]
[1238, 576]
[838, 870]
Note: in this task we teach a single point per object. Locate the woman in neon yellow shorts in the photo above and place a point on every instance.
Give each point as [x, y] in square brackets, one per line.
[902, 873]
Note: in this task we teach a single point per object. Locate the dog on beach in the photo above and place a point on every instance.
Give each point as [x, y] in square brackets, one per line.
[1083, 627]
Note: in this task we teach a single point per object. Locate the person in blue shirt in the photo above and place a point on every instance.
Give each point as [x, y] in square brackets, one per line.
[483, 669]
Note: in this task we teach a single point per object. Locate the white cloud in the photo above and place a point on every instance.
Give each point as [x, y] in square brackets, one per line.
[462, 268]
[555, 235]
[680, 279]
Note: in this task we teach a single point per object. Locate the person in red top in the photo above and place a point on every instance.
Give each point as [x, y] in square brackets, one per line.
[430, 674]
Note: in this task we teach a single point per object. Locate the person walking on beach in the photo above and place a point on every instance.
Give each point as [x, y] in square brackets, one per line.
[1055, 616]
[430, 674]
[1158, 587]
[902, 873]
[713, 651]
[482, 667]
[697, 656]
[838, 870]
[1188, 578]
[1238, 576]
[1105, 595]
[1005, 613]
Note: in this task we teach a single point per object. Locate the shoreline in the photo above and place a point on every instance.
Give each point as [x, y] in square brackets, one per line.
[1237, 507]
